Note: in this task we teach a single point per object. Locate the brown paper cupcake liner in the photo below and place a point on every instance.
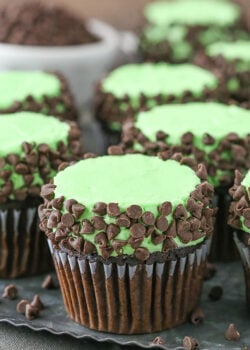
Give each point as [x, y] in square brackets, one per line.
[130, 298]
[244, 251]
[23, 247]
[222, 245]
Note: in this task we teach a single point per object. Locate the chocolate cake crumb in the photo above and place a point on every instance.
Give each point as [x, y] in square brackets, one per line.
[232, 332]
[10, 292]
[210, 271]
[197, 316]
[158, 340]
[21, 306]
[31, 312]
[190, 343]
[215, 293]
[49, 283]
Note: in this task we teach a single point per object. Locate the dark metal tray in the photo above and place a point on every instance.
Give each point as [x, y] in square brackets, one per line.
[230, 309]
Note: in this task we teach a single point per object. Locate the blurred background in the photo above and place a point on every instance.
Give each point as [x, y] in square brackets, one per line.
[123, 14]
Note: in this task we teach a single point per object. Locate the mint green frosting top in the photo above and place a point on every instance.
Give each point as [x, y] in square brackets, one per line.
[153, 79]
[192, 12]
[30, 127]
[126, 180]
[17, 85]
[235, 50]
[198, 118]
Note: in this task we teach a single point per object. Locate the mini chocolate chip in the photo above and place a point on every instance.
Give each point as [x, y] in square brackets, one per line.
[190, 343]
[22, 169]
[78, 210]
[208, 139]
[60, 234]
[100, 208]
[201, 172]
[137, 230]
[238, 177]
[123, 221]
[112, 231]
[157, 238]
[57, 203]
[195, 208]
[135, 242]
[12, 159]
[168, 244]
[20, 308]
[98, 223]
[87, 228]
[101, 239]
[2, 163]
[68, 204]
[48, 283]
[106, 251]
[115, 150]
[20, 195]
[43, 148]
[76, 228]
[28, 179]
[134, 211]
[10, 292]
[27, 147]
[89, 155]
[165, 208]
[32, 158]
[197, 316]
[171, 231]
[162, 223]
[89, 248]
[68, 220]
[118, 245]
[148, 218]
[180, 212]
[31, 312]
[76, 243]
[37, 302]
[187, 138]
[142, 254]
[246, 213]
[113, 210]
[232, 333]
[150, 231]
[48, 191]
[161, 136]
[158, 340]
[63, 166]
[183, 231]
[215, 293]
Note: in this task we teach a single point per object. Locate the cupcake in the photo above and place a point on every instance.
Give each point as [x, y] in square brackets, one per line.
[36, 91]
[128, 246]
[232, 61]
[239, 220]
[214, 134]
[32, 146]
[132, 87]
[175, 31]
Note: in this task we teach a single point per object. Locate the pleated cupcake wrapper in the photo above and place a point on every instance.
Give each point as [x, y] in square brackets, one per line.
[244, 251]
[23, 247]
[130, 299]
[222, 246]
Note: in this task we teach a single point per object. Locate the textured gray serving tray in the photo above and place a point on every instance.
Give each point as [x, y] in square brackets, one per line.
[230, 309]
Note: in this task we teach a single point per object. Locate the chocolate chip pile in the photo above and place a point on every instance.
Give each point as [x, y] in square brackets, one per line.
[37, 24]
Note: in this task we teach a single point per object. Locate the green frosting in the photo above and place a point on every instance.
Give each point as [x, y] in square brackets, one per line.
[198, 118]
[174, 35]
[192, 12]
[153, 79]
[236, 50]
[29, 127]
[126, 180]
[32, 128]
[17, 85]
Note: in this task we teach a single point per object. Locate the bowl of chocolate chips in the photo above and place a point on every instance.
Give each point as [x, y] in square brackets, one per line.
[35, 36]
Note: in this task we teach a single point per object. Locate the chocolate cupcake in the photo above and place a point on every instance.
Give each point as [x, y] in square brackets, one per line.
[232, 61]
[176, 31]
[239, 215]
[36, 91]
[132, 87]
[32, 146]
[214, 134]
[129, 240]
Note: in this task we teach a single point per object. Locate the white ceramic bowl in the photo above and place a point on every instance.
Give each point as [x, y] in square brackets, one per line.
[82, 65]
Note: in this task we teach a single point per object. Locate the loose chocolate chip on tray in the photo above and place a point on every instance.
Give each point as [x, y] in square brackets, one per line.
[197, 316]
[215, 293]
[158, 340]
[232, 333]
[31, 312]
[10, 292]
[49, 283]
[190, 343]
[37, 302]
[210, 271]
[22, 305]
